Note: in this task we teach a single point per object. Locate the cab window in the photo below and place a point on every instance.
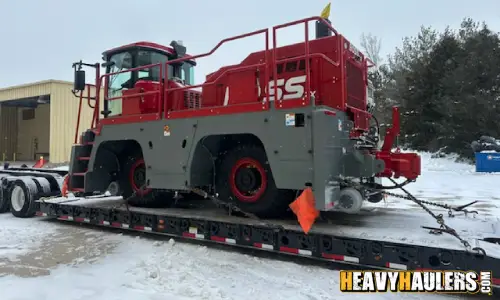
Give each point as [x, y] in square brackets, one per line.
[121, 62]
[145, 58]
[188, 73]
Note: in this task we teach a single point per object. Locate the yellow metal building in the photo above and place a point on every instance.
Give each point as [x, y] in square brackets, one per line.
[39, 119]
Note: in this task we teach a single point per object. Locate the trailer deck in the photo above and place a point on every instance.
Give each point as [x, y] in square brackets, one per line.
[376, 240]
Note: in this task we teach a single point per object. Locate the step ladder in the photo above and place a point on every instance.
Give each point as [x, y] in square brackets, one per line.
[80, 157]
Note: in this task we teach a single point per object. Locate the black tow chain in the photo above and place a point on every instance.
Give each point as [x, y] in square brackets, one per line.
[443, 227]
[439, 218]
[231, 207]
[450, 208]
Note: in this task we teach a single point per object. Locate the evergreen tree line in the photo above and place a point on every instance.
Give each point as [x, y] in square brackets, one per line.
[447, 85]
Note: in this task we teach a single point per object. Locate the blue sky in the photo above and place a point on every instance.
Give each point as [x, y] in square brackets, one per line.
[41, 38]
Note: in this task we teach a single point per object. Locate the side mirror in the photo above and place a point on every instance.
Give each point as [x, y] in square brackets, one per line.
[79, 83]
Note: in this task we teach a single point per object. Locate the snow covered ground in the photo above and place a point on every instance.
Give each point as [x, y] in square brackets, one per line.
[42, 259]
[447, 182]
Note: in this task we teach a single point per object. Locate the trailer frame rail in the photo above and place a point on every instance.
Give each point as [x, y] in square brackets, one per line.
[247, 233]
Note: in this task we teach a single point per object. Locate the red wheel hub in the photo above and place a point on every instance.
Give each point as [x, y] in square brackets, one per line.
[248, 180]
[137, 177]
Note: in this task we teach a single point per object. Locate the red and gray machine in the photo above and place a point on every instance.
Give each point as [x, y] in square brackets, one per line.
[256, 133]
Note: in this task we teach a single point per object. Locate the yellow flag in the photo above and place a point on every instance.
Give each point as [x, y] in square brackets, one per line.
[325, 14]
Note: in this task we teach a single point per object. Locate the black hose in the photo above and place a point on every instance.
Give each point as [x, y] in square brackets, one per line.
[376, 122]
[396, 186]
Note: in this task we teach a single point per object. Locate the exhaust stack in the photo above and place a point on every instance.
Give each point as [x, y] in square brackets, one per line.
[321, 29]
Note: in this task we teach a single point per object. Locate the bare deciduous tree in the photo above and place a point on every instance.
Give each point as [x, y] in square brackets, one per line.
[371, 46]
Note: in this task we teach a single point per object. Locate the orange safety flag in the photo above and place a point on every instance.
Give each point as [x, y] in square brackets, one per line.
[64, 189]
[303, 207]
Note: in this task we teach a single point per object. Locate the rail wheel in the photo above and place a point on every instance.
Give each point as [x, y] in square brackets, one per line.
[133, 185]
[245, 178]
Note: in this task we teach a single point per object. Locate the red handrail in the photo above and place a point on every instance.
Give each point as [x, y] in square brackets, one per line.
[265, 31]
[306, 55]
[89, 98]
[131, 70]
[95, 116]
[134, 95]
[160, 91]
[227, 71]
[164, 88]
[78, 117]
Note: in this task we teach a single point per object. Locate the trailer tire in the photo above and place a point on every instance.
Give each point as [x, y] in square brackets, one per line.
[22, 199]
[129, 184]
[4, 200]
[247, 166]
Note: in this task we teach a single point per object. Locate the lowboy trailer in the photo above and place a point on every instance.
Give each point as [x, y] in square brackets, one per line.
[288, 130]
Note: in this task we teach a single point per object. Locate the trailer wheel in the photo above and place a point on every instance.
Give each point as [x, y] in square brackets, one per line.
[133, 179]
[22, 199]
[4, 200]
[245, 178]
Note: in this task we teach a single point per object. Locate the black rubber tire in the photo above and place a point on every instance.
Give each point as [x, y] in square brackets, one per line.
[375, 198]
[28, 209]
[153, 199]
[273, 203]
[4, 200]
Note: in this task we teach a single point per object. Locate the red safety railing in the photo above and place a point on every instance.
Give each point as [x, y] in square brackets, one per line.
[228, 71]
[356, 84]
[307, 56]
[160, 91]
[89, 97]
[81, 97]
[165, 89]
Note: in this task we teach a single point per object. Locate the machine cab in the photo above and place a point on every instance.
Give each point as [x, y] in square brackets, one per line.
[124, 83]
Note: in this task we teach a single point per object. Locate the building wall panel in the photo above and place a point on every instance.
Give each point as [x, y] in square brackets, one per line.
[24, 91]
[63, 118]
[8, 132]
[33, 137]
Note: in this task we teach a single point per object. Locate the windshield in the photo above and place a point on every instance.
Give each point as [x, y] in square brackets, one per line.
[121, 62]
[124, 61]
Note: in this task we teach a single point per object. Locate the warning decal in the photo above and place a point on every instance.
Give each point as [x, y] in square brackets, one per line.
[166, 130]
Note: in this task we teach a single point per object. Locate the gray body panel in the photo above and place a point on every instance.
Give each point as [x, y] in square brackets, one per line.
[316, 153]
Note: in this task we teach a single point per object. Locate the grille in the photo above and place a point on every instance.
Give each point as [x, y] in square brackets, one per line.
[356, 88]
[192, 99]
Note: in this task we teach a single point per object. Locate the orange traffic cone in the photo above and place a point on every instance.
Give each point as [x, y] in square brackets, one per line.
[303, 207]
[40, 163]
[64, 189]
